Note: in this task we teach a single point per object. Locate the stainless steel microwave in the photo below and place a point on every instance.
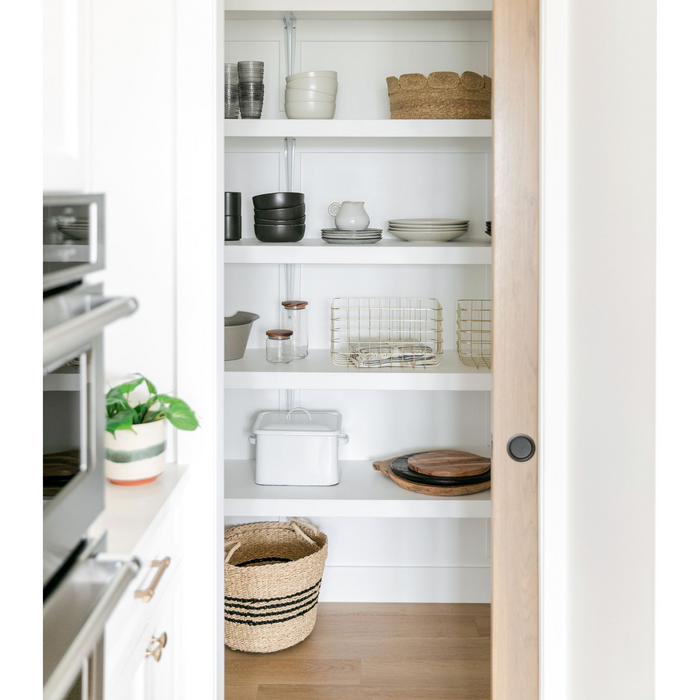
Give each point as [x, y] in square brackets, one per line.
[74, 237]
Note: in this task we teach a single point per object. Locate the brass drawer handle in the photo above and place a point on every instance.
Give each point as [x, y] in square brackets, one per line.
[161, 643]
[147, 594]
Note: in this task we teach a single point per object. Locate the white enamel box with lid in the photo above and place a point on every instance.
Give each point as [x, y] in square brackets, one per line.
[297, 448]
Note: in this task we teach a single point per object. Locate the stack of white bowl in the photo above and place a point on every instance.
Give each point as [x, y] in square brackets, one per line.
[311, 95]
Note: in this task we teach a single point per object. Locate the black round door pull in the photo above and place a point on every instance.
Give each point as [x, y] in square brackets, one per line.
[521, 448]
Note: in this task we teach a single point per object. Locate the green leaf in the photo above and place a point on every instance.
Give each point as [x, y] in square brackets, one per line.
[141, 411]
[179, 413]
[115, 404]
[153, 416]
[128, 387]
[122, 416]
[149, 384]
[115, 393]
[115, 400]
[123, 420]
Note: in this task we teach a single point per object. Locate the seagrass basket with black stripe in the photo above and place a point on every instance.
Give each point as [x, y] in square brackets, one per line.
[272, 579]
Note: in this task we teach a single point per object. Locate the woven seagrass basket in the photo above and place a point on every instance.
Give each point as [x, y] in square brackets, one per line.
[272, 578]
[441, 95]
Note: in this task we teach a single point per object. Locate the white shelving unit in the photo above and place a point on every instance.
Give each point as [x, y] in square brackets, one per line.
[401, 169]
[363, 9]
[358, 128]
[362, 492]
[318, 372]
[387, 252]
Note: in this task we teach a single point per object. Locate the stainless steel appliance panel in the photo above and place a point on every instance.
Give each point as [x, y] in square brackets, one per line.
[74, 618]
[73, 326]
[73, 237]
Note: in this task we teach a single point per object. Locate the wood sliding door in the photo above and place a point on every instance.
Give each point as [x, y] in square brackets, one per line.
[515, 608]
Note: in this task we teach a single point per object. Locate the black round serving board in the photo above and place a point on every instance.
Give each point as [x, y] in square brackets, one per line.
[400, 467]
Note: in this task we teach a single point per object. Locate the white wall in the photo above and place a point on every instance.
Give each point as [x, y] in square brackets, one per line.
[606, 328]
[678, 381]
[132, 160]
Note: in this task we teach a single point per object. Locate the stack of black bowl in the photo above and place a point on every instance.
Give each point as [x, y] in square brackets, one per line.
[280, 217]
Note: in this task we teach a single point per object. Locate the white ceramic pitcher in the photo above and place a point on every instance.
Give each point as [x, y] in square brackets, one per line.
[350, 216]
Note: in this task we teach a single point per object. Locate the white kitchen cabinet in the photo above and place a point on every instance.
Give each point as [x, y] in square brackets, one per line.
[146, 522]
[151, 670]
[65, 92]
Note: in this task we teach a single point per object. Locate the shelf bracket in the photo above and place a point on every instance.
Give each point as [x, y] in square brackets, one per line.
[290, 147]
[290, 275]
[290, 40]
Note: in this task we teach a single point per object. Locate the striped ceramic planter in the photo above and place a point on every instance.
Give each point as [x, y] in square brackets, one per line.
[137, 457]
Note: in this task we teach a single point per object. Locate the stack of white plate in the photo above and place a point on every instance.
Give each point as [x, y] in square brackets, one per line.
[428, 229]
[368, 235]
[311, 95]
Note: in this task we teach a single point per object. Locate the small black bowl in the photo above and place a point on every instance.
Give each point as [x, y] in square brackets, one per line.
[278, 200]
[283, 214]
[272, 222]
[279, 234]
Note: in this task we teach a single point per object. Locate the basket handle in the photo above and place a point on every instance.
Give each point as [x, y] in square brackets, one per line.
[293, 522]
[231, 551]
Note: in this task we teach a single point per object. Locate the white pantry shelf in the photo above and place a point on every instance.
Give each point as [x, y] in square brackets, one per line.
[317, 371]
[358, 128]
[387, 252]
[362, 492]
[360, 9]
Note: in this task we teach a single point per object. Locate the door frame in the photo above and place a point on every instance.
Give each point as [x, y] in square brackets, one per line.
[515, 668]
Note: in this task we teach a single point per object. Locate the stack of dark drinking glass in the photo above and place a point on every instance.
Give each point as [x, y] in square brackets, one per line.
[251, 89]
[280, 217]
[231, 91]
[232, 218]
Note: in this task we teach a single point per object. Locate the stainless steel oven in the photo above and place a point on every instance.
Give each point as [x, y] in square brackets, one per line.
[81, 584]
[74, 618]
[74, 416]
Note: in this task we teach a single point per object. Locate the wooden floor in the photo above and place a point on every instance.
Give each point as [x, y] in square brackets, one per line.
[385, 651]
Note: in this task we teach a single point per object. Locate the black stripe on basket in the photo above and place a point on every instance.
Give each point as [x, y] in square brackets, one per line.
[266, 600]
[255, 623]
[260, 561]
[268, 607]
[311, 602]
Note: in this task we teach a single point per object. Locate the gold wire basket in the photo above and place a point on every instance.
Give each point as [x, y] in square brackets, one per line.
[386, 332]
[474, 332]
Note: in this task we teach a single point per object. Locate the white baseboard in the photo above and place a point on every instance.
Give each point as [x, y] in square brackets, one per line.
[393, 584]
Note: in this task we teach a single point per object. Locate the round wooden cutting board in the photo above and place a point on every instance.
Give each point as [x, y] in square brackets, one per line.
[400, 467]
[386, 468]
[449, 463]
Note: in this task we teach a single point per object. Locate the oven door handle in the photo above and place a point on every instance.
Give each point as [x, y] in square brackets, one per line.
[65, 671]
[67, 337]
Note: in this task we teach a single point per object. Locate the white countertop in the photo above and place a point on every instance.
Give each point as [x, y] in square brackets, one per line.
[130, 511]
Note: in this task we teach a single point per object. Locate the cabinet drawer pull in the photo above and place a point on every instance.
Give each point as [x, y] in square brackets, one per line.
[147, 593]
[160, 643]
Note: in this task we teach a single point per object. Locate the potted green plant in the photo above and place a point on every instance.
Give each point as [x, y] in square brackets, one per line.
[135, 439]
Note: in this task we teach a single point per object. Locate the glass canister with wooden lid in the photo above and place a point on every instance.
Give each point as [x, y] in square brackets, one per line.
[278, 346]
[295, 318]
